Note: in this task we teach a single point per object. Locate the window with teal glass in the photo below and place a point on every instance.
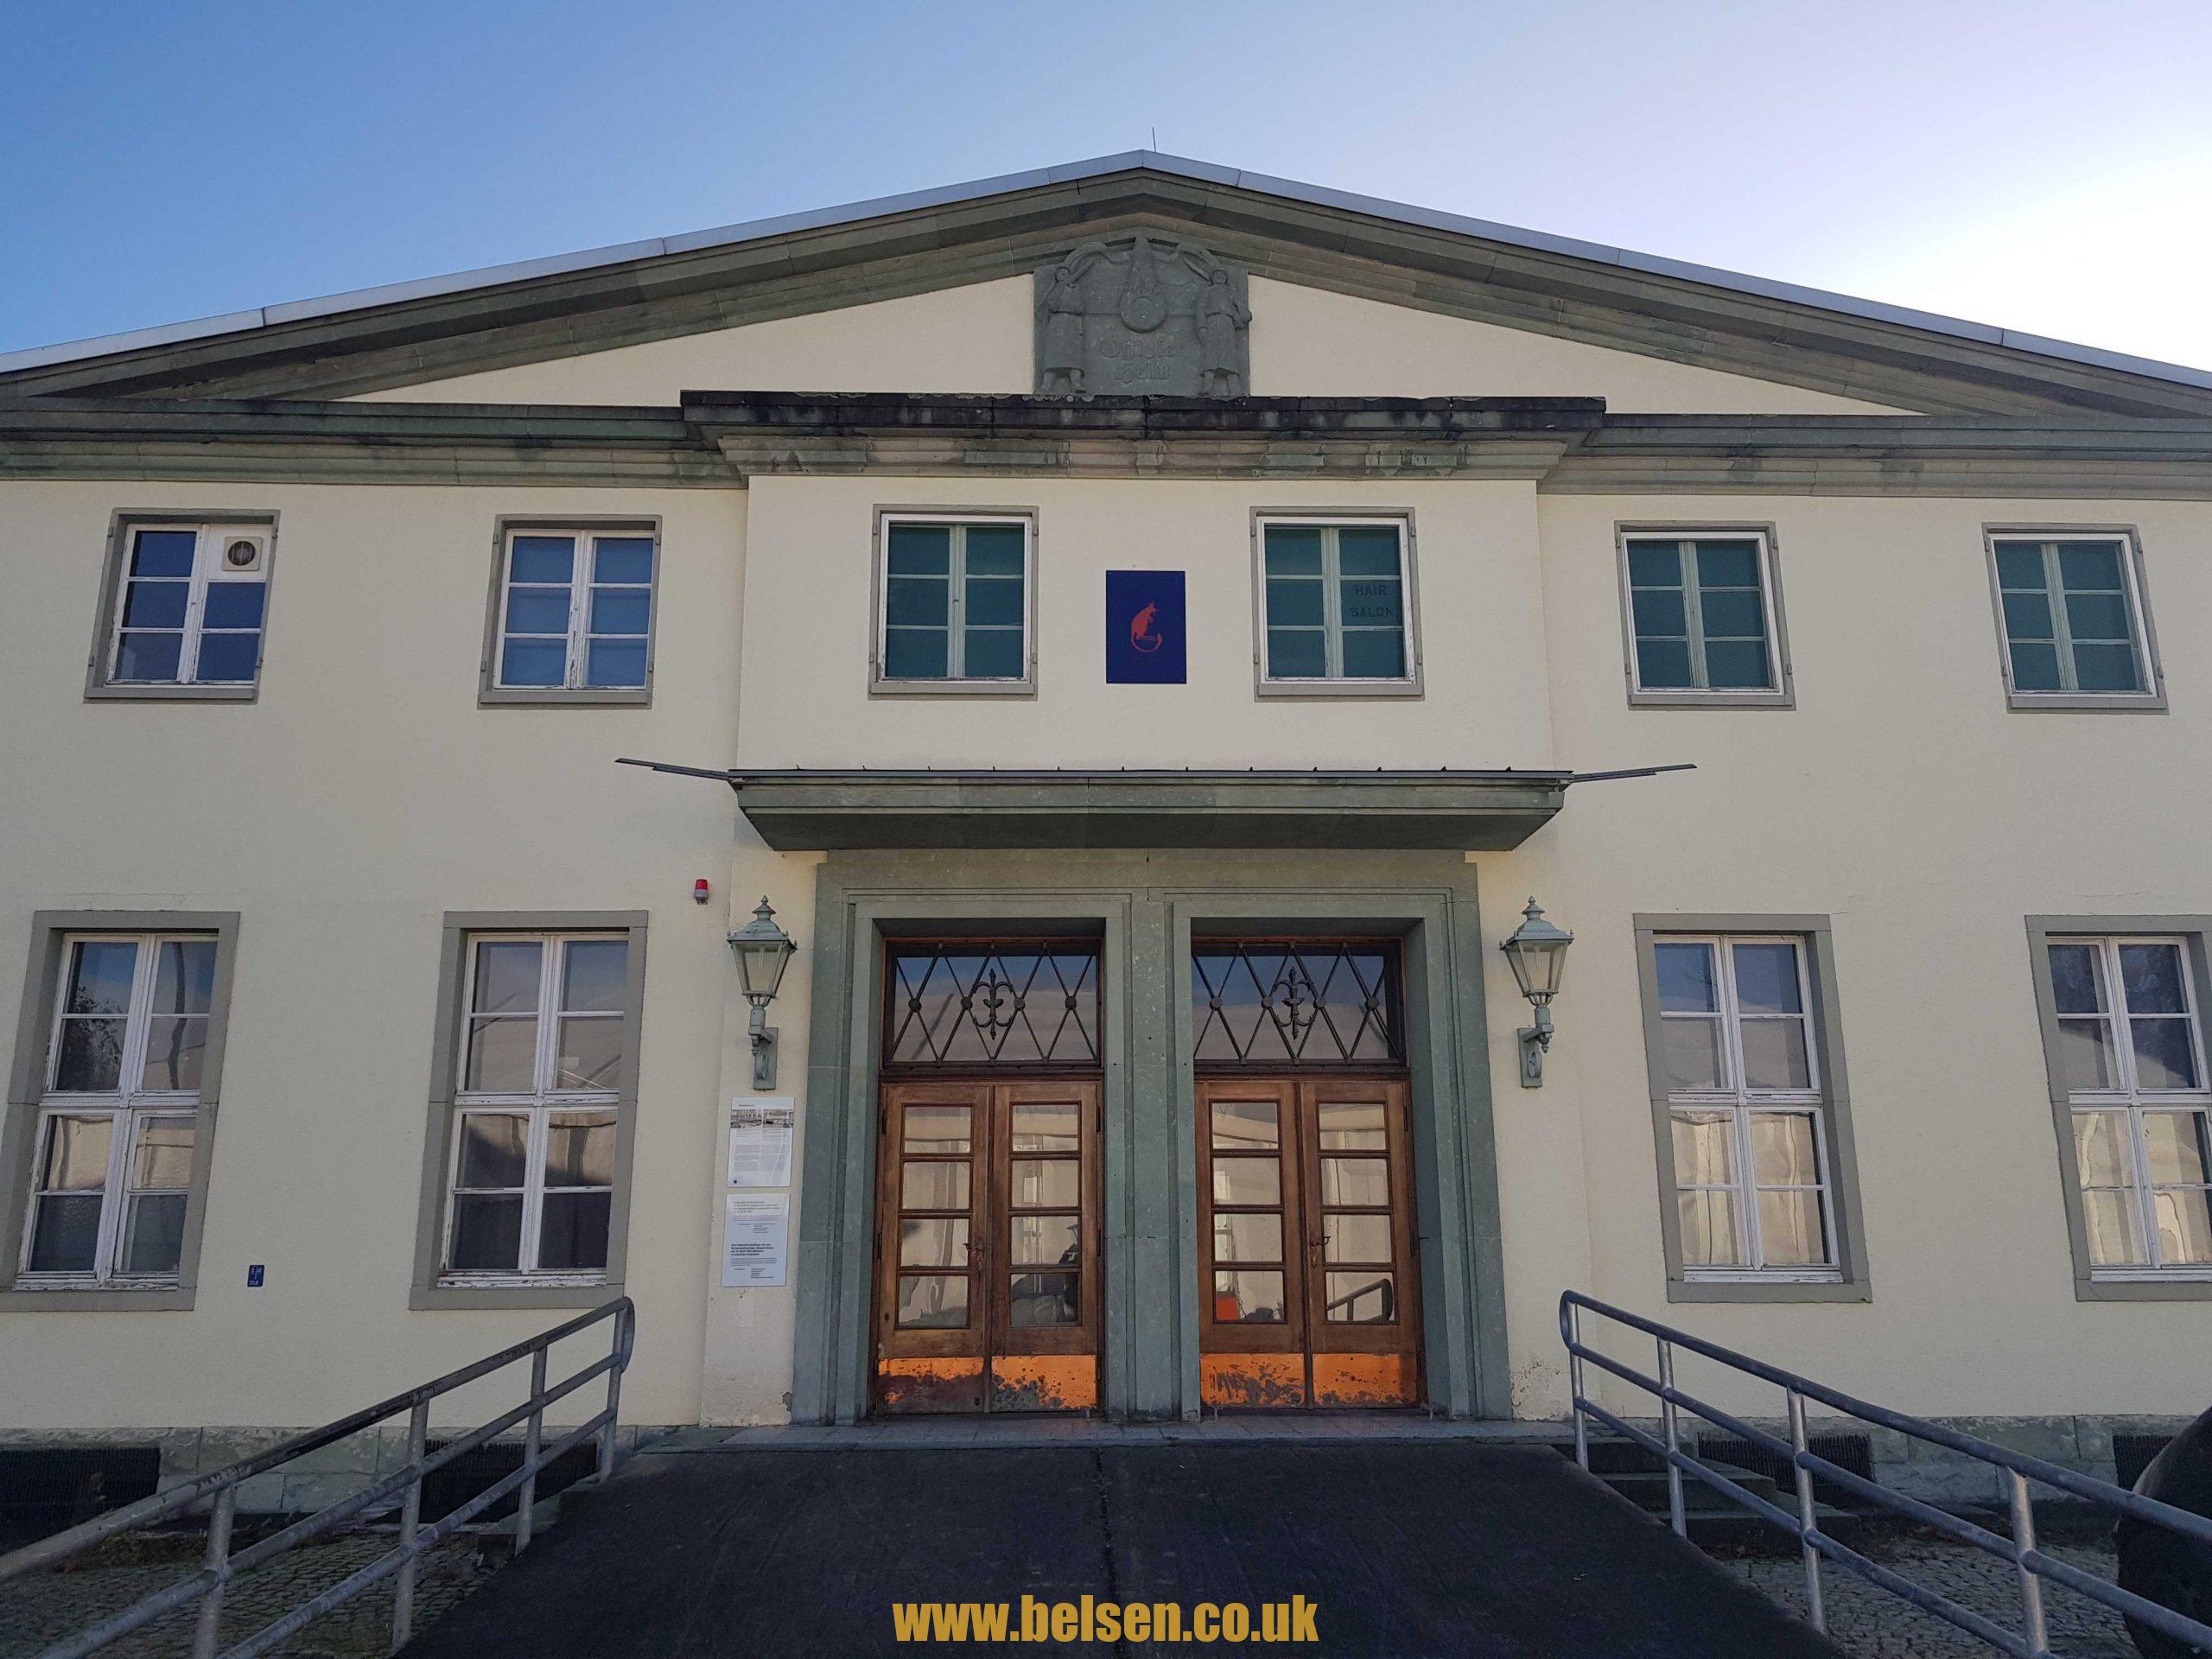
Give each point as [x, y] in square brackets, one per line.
[955, 601]
[1701, 614]
[2070, 616]
[1336, 601]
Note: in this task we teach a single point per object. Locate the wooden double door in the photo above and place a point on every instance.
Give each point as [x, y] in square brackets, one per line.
[987, 1247]
[1307, 1265]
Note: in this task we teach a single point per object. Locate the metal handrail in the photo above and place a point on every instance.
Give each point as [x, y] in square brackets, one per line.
[2031, 1565]
[220, 1487]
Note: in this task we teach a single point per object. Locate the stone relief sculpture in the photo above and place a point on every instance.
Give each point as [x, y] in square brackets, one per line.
[1123, 317]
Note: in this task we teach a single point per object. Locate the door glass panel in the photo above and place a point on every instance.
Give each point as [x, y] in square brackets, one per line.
[1046, 1241]
[1356, 1239]
[1048, 1127]
[1351, 1125]
[1356, 1180]
[1245, 1126]
[1044, 1181]
[934, 1301]
[1311, 1004]
[1248, 1180]
[1362, 1298]
[1045, 1299]
[1247, 1238]
[1243, 1297]
[934, 1243]
[933, 1187]
[979, 1005]
[937, 1128]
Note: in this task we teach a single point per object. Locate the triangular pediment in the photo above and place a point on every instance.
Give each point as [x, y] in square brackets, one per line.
[1348, 297]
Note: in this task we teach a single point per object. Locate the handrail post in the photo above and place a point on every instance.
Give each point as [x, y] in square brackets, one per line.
[532, 1437]
[1670, 1433]
[2024, 1539]
[622, 1340]
[1575, 1385]
[207, 1633]
[1806, 1514]
[410, 1521]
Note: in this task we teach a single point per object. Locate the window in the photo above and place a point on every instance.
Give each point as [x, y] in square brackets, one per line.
[1336, 603]
[544, 1042]
[2070, 612]
[185, 608]
[955, 610]
[119, 1114]
[1704, 625]
[1749, 1111]
[2129, 1055]
[573, 614]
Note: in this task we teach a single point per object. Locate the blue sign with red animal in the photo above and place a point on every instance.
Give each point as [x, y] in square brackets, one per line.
[1147, 641]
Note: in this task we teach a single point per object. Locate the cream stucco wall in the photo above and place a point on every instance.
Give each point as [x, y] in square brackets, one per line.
[364, 795]
[1305, 342]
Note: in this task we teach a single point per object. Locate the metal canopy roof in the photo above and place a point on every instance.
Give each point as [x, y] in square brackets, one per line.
[809, 809]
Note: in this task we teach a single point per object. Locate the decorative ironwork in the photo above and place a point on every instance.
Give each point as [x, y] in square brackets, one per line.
[964, 1004]
[1305, 1003]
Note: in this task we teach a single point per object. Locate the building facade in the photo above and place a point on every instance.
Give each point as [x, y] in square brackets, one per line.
[1147, 632]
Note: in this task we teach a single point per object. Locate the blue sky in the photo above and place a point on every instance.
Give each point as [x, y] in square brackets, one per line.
[2040, 165]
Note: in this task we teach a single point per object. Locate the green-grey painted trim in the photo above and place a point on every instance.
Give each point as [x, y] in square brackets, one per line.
[878, 686]
[2193, 931]
[489, 696]
[26, 1083]
[97, 687]
[1451, 812]
[1856, 1284]
[2152, 700]
[425, 1290]
[1146, 905]
[1333, 690]
[1784, 695]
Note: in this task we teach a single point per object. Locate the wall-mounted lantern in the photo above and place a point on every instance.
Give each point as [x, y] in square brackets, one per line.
[1538, 953]
[763, 951]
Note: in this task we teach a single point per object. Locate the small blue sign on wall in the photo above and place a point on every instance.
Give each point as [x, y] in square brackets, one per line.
[1146, 642]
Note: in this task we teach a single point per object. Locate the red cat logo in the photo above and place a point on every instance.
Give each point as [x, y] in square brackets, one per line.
[1143, 636]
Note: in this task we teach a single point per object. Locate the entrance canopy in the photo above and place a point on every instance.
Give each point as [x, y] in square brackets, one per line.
[802, 809]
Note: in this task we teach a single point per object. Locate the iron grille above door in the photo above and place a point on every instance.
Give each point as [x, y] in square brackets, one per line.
[991, 1005]
[1311, 1004]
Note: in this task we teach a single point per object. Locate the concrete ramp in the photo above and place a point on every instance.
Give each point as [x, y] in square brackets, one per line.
[1400, 1549]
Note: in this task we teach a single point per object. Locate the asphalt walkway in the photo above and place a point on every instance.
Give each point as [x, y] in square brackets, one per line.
[1400, 1549]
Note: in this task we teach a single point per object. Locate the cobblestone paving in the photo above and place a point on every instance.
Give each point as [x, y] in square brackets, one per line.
[1869, 1623]
[38, 1612]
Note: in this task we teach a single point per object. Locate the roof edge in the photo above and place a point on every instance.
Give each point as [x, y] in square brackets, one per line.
[1177, 166]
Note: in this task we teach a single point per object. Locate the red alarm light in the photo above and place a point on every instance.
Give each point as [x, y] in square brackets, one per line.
[699, 890]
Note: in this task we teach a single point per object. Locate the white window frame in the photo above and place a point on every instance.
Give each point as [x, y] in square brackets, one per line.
[1335, 682]
[1780, 692]
[212, 536]
[2130, 1097]
[2151, 693]
[576, 664]
[954, 680]
[539, 1105]
[1743, 1104]
[127, 1110]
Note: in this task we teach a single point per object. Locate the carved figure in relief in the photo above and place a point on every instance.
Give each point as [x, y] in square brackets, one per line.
[1221, 315]
[1060, 368]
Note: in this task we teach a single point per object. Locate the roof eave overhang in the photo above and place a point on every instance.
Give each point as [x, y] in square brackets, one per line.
[440, 327]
